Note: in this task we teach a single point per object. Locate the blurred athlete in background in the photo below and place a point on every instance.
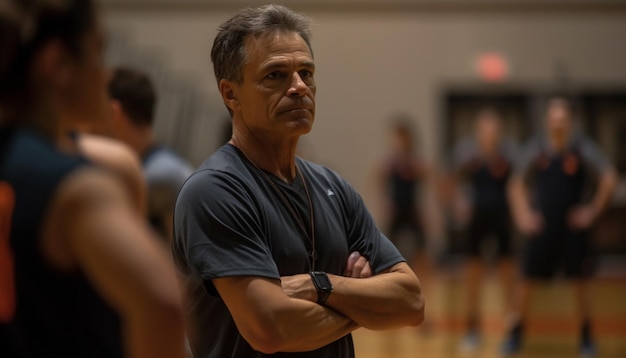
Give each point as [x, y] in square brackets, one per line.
[400, 177]
[553, 209]
[80, 274]
[133, 103]
[483, 164]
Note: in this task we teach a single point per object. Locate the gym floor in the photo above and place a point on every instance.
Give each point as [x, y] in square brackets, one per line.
[551, 331]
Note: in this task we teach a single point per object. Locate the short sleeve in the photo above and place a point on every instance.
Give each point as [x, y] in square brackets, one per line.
[593, 156]
[525, 157]
[364, 236]
[463, 152]
[165, 175]
[510, 150]
[218, 230]
[166, 169]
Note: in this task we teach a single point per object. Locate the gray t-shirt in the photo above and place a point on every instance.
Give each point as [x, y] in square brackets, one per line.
[164, 174]
[229, 221]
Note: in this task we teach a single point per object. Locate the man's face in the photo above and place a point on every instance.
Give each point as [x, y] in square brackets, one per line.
[558, 118]
[488, 128]
[277, 97]
[401, 140]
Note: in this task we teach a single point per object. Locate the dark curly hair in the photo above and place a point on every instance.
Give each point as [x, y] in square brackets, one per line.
[25, 27]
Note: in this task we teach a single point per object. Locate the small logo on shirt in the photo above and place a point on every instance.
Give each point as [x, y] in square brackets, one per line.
[330, 192]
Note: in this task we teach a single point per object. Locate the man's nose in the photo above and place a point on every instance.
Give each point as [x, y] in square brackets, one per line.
[297, 87]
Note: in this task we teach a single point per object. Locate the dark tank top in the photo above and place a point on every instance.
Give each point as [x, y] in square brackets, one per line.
[489, 179]
[404, 180]
[55, 313]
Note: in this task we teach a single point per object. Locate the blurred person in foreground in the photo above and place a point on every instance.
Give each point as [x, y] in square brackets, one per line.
[551, 208]
[483, 164]
[133, 102]
[281, 256]
[400, 177]
[80, 274]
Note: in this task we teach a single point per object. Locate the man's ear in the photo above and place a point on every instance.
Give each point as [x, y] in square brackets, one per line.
[119, 117]
[228, 91]
[53, 66]
[116, 109]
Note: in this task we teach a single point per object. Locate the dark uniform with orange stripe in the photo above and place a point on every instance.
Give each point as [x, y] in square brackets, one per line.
[45, 312]
[404, 177]
[558, 182]
[487, 178]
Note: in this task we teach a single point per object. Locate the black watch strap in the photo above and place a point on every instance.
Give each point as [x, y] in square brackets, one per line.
[323, 286]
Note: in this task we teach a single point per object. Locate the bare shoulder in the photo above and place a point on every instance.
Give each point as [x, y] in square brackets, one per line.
[89, 186]
[110, 153]
[119, 159]
[81, 193]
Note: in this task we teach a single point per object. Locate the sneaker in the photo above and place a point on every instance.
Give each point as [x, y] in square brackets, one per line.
[511, 346]
[470, 342]
[587, 349]
[513, 342]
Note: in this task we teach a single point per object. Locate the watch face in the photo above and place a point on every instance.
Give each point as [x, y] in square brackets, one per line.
[323, 281]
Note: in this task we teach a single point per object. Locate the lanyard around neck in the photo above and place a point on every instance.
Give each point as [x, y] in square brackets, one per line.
[292, 211]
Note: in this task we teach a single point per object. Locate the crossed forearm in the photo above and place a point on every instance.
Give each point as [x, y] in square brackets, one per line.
[306, 326]
[272, 321]
[389, 300]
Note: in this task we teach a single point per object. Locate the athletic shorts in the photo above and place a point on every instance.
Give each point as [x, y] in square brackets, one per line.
[486, 224]
[558, 249]
[406, 219]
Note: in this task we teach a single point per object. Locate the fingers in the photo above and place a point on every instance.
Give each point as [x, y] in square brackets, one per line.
[533, 224]
[367, 271]
[362, 268]
[351, 261]
[580, 218]
[358, 266]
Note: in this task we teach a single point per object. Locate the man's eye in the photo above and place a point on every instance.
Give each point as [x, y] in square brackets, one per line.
[274, 75]
[305, 74]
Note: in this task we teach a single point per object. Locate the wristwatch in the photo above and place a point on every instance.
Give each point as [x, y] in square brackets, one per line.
[323, 286]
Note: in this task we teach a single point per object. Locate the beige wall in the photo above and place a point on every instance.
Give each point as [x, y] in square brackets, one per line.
[371, 65]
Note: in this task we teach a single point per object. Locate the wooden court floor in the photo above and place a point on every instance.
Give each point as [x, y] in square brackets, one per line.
[552, 330]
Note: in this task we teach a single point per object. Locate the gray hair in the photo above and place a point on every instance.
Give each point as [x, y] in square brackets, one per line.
[229, 54]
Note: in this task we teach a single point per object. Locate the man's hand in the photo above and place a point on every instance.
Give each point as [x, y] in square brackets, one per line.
[581, 217]
[358, 266]
[530, 223]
